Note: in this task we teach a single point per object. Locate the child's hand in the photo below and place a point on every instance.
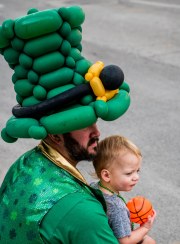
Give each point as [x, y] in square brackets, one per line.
[150, 221]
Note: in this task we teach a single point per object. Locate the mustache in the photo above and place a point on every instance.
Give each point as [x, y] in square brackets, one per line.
[93, 140]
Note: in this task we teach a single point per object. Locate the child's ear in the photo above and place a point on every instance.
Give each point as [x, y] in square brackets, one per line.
[105, 175]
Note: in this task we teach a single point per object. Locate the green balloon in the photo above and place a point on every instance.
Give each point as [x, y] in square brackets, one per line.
[75, 54]
[74, 37]
[118, 105]
[29, 101]
[65, 48]
[14, 78]
[8, 28]
[11, 56]
[78, 79]
[19, 99]
[86, 100]
[20, 72]
[74, 15]
[25, 61]
[33, 77]
[70, 62]
[125, 87]
[17, 44]
[58, 90]
[65, 29]
[82, 66]
[43, 44]
[37, 24]
[79, 47]
[56, 78]
[48, 62]
[4, 41]
[32, 11]
[101, 108]
[23, 88]
[39, 92]
[69, 120]
[6, 137]
[19, 128]
[37, 132]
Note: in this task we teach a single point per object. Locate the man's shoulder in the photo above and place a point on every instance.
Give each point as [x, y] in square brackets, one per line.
[79, 199]
[77, 216]
[75, 205]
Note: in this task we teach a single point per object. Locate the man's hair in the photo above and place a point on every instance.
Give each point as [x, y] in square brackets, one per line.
[109, 149]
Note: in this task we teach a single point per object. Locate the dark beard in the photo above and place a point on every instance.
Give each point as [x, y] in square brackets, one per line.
[76, 151]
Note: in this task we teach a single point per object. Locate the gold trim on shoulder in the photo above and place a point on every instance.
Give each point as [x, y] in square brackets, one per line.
[60, 161]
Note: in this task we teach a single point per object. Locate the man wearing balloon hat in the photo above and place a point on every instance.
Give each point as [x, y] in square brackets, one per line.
[60, 96]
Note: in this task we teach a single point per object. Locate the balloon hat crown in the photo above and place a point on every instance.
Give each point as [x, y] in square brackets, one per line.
[57, 89]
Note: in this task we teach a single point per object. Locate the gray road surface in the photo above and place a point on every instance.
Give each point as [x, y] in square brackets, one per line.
[143, 37]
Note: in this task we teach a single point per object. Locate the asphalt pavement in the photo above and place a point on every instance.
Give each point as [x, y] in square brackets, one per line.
[143, 38]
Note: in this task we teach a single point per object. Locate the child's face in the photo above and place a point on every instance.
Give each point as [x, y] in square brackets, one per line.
[125, 174]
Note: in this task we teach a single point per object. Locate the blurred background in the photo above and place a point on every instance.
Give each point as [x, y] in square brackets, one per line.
[143, 38]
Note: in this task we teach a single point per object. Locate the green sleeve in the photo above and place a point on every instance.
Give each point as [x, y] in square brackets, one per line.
[77, 218]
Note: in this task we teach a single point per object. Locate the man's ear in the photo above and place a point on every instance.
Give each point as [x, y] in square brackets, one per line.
[105, 174]
[56, 138]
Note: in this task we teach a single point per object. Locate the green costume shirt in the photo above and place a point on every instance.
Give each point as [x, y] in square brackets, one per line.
[44, 199]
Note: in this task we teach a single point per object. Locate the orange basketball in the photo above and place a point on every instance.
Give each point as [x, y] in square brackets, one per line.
[140, 208]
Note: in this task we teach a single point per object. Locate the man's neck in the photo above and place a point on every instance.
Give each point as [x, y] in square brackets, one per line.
[59, 147]
[58, 159]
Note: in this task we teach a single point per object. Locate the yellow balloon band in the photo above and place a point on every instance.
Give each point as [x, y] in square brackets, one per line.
[96, 84]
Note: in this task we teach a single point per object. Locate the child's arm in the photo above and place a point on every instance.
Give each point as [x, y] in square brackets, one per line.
[138, 234]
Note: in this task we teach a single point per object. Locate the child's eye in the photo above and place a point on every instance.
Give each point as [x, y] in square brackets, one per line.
[129, 173]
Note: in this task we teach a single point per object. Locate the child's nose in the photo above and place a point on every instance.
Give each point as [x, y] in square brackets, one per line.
[136, 176]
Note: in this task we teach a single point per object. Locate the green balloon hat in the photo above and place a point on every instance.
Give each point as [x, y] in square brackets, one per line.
[57, 89]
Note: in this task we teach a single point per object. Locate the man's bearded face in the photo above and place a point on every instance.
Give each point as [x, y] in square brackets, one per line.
[78, 152]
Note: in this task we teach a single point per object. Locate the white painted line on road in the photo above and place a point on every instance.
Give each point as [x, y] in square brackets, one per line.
[162, 5]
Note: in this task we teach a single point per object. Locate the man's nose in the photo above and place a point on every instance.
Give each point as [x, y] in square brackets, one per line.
[95, 130]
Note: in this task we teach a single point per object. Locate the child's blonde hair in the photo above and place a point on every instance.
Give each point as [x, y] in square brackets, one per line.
[109, 149]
